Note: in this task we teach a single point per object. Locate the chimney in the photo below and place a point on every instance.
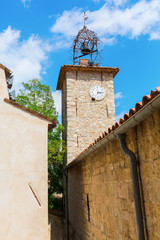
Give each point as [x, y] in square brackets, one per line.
[84, 62]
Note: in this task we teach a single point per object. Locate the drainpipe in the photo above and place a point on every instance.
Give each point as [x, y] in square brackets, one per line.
[136, 188]
[66, 203]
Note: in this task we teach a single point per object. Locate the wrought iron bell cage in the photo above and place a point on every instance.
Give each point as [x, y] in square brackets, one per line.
[86, 44]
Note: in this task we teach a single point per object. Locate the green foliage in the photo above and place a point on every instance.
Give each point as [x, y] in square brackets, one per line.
[56, 149]
[38, 97]
[56, 203]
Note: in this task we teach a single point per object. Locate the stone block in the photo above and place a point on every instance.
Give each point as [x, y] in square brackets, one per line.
[123, 190]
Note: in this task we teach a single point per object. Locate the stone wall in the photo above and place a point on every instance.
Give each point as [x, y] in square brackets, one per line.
[83, 118]
[56, 225]
[101, 204]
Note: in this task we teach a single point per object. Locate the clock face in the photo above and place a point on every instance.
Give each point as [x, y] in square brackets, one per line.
[97, 92]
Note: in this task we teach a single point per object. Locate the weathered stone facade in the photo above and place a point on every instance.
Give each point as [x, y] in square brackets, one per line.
[82, 117]
[101, 204]
[56, 225]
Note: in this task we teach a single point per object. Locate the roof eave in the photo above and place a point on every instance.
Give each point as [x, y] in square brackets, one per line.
[7, 70]
[51, 126]
[52, 123]
[65, 68]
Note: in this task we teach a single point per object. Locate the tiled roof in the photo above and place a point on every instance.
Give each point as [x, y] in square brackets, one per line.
[65, 68]
[132, 111]
[52, 123]
[145, 100]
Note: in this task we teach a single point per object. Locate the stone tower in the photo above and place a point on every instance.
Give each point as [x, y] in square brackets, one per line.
[88, 107]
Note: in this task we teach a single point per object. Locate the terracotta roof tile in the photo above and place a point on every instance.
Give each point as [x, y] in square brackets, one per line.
[116, 125]
[121, 120]
[132, 111]
[110, 130]
[126, 116]
[146, 99]
[138, 106]
[157, 89]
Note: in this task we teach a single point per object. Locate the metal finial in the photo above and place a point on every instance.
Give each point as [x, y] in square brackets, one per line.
[85, 18]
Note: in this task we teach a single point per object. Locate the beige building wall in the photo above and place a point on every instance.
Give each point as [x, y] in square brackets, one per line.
[101, 204]
[23, 172]
[82, 117]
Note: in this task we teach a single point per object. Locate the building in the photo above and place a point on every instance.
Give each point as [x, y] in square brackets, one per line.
[83, 116]
[23, 168]
[113, 185]
[111, 182]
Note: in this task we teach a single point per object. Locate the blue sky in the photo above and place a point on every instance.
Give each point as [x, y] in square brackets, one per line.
[36, 35]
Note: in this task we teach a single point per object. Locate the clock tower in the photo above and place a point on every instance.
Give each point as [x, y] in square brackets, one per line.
[88, 107]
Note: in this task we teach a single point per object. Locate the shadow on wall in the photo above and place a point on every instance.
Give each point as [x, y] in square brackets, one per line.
[56, 225]
[100, 191]
[100, 195]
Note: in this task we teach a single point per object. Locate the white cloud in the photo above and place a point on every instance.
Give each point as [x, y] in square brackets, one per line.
[141, 18]
[117, 2]
[113, 2]
[26, 3]
[155, 36]
[57, 100]
[117, 104]
[68, 22]
[118, 95]
[120, 116]
[108, 41]
[61, 43]
[96, 1]
[24, 58]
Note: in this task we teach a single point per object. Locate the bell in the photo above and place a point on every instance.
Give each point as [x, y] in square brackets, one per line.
[85, 50]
